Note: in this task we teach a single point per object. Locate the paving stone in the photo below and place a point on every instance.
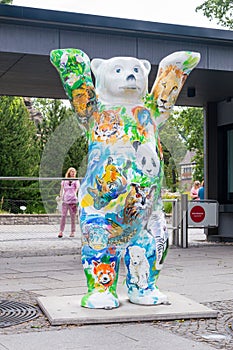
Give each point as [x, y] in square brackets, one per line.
[210, 265]
[67, 310]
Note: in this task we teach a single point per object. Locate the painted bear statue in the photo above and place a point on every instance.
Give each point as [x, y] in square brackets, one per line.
[121, 214]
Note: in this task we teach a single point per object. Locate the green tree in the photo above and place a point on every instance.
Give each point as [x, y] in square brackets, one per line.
[222, 10]
[62, 145]
[6, 2]
[174, 150]
[189, 123]
[53, 113]
[19, 152]
[59, 136]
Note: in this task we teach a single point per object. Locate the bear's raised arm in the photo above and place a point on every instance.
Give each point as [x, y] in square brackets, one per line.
[73, 66]
[172, 72]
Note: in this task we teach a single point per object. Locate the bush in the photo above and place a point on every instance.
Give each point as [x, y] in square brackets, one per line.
[167, 205]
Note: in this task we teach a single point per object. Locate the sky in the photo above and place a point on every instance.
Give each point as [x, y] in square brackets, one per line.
[163, 11]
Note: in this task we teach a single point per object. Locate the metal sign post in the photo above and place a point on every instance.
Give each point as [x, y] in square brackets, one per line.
[175, 222]
[184, 221]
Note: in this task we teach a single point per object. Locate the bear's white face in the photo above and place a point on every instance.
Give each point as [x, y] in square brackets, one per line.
[137, 255]
[121, 80]
[147, 160]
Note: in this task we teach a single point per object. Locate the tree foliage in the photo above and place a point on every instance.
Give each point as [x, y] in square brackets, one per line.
[174, 150]
[19, 154]
[189, 123]
[53, 113]
[60, 139]
[62, 145]
[221, 10]
[6, 2]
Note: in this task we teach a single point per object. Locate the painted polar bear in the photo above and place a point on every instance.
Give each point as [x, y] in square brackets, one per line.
[120, 205]
[139, 267]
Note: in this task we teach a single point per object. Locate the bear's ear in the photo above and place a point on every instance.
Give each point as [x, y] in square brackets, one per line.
[136, 144]
[113, 264]
[95, 64]
[147, 65]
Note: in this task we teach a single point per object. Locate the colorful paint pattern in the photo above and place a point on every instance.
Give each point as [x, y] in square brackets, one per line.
[119, 200]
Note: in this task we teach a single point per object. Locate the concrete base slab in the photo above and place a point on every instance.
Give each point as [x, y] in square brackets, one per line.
[67, 310]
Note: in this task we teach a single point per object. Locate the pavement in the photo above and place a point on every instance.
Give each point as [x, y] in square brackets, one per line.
[36, 264]
[38, 240]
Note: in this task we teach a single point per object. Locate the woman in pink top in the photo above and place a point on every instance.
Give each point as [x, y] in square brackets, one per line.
[194, 191]
[68, 194]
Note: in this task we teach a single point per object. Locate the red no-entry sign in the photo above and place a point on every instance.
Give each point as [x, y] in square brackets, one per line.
[203, 213]
[197, 214]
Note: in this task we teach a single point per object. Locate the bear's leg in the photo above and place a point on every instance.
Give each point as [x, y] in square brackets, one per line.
[144, 259]
[101, 268]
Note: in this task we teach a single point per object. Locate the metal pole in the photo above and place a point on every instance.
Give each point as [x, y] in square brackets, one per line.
[24, 178]
[175, 232]
[184, 221]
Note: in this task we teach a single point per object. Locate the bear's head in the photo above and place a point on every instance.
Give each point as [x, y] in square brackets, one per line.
[147, 160]
[121, 80]
[137, 255]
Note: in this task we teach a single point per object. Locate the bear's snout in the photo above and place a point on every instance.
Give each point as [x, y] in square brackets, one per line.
[135, 262]
[105, 279]
[131, 77]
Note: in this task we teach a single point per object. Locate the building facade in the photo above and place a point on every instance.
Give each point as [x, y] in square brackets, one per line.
[187, 166]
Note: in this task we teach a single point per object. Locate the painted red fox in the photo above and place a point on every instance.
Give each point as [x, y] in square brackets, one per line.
[105, 273]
